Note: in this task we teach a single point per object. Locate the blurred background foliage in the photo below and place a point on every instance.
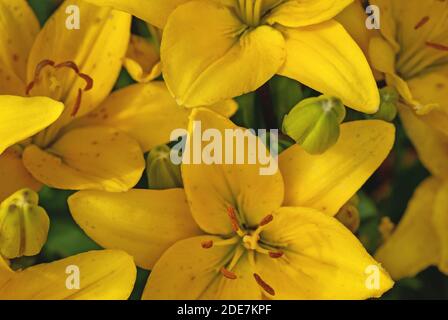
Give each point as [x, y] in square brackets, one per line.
[386, 194]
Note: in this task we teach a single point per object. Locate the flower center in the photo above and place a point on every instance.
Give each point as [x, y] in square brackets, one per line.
[50, 77]
[56, 81]
[248, 242]
[250, 11]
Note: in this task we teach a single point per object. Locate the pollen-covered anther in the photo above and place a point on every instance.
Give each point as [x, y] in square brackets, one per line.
[228, 274]
[266, 220]
[233, 219]
[276, 254]
[421, 23]
[69, 65]
[437, 46]
[207, 244]
[264, 285]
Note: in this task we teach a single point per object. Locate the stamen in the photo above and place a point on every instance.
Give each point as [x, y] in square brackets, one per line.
[266, 220]
[437, 46]
[421, 23]
[207, 244]
[276, 255]
[226, 242]
[264, 285]
[232, 215]
[228, 274]
[88, 80]
[37, 72]
[77, 103]
[68, 64]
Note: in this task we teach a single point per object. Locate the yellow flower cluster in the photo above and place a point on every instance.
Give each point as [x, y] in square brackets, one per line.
[217, 230]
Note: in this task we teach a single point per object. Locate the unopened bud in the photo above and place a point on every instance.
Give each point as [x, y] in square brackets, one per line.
[23, 225]
[314, 123]
[388, 107]
[162, 172]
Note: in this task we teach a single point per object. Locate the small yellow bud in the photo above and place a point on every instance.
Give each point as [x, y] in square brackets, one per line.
[23, 225]
[314, 123]
[388, 107]
[386, 228]
[162, 173]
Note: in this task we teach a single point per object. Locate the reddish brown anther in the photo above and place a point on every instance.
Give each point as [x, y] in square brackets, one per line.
[68, 64]
[207, 244]
[228, 274]
[421, 23]
[266, 220]
[232, 215]
[437, 46]
[77, 103]
[276, 254]
[88, 80]
[264, 285]
[40, 66]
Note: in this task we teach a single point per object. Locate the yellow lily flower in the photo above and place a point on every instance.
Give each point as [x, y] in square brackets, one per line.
[235, 234]
[412, 52]
[78, 68]
[413, 55]
[421, 238]
[142, 59]
[242, 44]
[106, 274]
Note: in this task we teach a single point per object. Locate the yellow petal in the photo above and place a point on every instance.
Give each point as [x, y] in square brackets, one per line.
[414, 245]
[215, 187]
[99, 158]
[14, 175]
[431, 89]
[431, 145]
[325, 58]
[97, 48]
[147, 112]
[18, 29]
[21, 118]
[144, 223]
[327, 181]
[155, 12]
[188, 271]
[219, 49]
[300, 13]
[440, 223]
[103, 275]
[321, 259]
[142, 60]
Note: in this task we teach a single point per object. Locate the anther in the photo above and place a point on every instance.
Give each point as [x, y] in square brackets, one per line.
[276, 255]
[266, 220]
[40, 66]
[207, 244]
[232, 215]
[437, 46]
[88, 80]
[68, 64]
[264, 285]
[228, 274]
[77, 103]
[421, 23]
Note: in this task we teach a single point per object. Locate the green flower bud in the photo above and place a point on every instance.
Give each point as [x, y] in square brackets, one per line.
[314, 123]
[23, 225]
[162, 173]
[388, 108]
